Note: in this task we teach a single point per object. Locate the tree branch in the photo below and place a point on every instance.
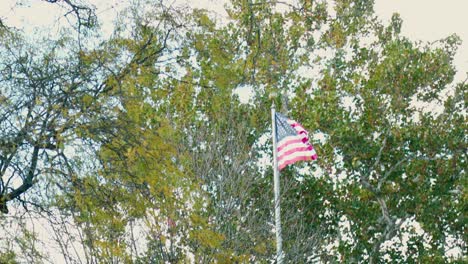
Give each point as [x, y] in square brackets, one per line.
[26, 185]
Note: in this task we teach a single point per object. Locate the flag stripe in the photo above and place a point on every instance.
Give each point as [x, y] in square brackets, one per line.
[293, 159]
[291, 146]
[291, 140]
[289, 152]
[298, 153]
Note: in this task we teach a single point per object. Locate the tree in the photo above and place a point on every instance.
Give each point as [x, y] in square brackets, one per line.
[396, 158]
[40, 104]
[366, 101]
[143, 176]
[395, 155]
[83, 12]
[169, 165]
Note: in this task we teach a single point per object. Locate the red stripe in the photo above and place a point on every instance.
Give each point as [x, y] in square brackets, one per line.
[284, 143]
[287, 162]
[297, 154]
[310, 154]
[299, 149]
[291, 161]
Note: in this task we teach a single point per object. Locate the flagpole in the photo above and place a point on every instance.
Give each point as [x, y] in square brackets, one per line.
[279, 240]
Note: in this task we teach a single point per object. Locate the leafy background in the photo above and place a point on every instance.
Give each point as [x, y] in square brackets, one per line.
[135, 146]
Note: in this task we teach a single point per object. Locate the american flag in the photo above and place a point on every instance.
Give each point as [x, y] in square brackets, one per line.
[292, 142]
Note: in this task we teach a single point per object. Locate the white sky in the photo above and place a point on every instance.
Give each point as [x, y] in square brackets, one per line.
[425, 20]
[429, 20]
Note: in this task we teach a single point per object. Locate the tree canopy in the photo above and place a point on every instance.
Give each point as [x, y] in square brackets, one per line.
[138, 148]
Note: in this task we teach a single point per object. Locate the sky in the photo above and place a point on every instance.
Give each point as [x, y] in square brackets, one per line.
[425, 20]
[430, 20]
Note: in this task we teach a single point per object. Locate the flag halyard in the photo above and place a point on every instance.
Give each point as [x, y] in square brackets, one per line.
[292, 142]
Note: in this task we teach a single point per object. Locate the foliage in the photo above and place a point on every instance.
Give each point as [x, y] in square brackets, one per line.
[141, 144]
[8, 257]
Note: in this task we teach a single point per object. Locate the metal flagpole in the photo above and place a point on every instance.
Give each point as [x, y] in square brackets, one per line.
[279, 240]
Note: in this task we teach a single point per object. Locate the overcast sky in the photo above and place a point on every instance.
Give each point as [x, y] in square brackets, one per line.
[425, 20]
[429, 20]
